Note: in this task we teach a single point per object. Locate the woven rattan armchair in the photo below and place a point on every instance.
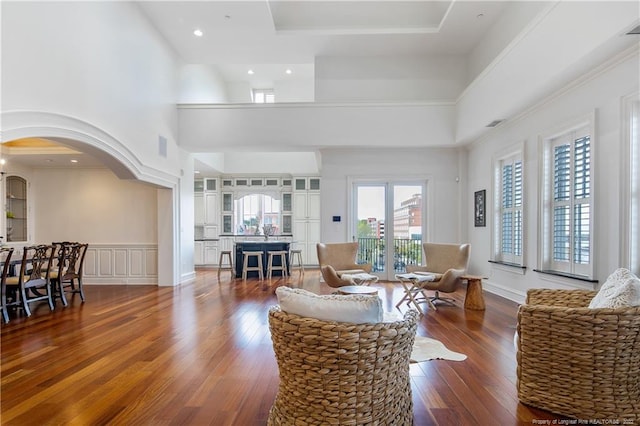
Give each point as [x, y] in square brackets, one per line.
[342, 373]
[575, 361]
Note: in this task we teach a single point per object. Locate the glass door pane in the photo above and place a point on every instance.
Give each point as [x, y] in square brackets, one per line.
[407, 226]
[370, 225]
[389, 225]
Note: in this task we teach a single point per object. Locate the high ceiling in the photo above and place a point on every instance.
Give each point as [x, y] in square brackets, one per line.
[269, 36]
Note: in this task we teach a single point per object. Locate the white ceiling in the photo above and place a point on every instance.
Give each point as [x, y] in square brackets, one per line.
[269, 36]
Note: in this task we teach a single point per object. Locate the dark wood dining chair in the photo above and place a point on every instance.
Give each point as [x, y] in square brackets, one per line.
[32, 283]
[70, 262]
[5, 258]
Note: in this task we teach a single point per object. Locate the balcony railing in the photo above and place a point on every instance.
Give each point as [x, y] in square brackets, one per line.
[406, 251]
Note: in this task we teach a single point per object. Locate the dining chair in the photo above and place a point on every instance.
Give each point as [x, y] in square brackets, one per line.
[70, 262]
[33, 284]
[5, 258]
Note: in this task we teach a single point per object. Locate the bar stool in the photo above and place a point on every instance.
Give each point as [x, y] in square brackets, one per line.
[245, 263]
[296, 254]
[283, 263]
[223, 254]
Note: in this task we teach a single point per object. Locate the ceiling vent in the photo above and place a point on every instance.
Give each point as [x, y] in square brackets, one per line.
[494, 123]
[635, 31]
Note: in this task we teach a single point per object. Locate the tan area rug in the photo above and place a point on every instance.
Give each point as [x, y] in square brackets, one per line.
[426, 349]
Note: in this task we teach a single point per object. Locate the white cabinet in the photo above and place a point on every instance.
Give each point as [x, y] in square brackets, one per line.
[205, 252]
[198, 253]
[306, 205]
[306, 217]
[306, 234]
[198, 209]
[211, 252]
[211, 215]
[207, 210]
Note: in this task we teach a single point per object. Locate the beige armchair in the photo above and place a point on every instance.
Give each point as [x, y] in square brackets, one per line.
[448, 262]
[337, 259]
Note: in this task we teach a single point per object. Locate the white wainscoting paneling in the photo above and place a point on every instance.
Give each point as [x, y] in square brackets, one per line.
[121, 264]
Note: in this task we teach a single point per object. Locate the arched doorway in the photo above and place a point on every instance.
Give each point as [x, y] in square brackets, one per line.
[121, 260]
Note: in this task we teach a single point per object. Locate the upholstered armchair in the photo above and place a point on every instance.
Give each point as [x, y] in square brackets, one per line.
[339, 258]
[448, 263]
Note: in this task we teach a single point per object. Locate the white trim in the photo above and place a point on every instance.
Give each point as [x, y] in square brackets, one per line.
[86, 138]
[514, 152]
[506, 292]
[121, 264]
[545, 237]
[315, 105]
[630, 207]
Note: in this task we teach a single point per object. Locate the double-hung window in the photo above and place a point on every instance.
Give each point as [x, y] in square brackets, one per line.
[567, 203]
[508, 207]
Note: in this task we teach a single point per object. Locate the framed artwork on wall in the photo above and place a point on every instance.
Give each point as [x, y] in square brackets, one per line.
[479, 201]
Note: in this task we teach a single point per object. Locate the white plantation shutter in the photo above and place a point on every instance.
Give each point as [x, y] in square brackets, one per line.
[571, 221]
[509, 207]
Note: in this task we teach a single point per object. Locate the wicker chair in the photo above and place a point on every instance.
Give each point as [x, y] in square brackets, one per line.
[340, 373]
[575, 361]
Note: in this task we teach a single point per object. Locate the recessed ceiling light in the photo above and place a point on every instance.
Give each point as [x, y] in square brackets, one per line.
[74, 161]
[198, 32]
[49, 160]
[197, 172]
[250, 72]
[288, 71]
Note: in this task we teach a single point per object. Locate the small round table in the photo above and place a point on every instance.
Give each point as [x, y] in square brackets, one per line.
[357, 289]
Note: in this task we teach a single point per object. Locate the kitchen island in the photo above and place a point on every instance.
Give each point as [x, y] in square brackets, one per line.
[264, 247]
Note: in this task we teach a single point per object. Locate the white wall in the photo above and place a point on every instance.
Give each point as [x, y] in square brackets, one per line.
[201, 84]
[99, 62]
[439, 167]
[99, 72]
[239, 92]
[293, 91]
[305, 126]
[600, 92]
[92, 205]
[393, 78]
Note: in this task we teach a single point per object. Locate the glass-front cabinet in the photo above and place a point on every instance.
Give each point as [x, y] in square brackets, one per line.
[16, 209]
[248, 207]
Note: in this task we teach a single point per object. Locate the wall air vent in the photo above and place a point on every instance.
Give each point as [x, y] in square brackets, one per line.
[494, 123]
[634, 31]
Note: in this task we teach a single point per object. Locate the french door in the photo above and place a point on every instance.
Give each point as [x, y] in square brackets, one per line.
[388, 221]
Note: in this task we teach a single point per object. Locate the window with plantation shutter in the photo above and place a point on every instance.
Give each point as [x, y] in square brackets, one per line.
[508, 208]
[568, 224]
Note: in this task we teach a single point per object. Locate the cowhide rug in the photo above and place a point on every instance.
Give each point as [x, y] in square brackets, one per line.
[426, 349]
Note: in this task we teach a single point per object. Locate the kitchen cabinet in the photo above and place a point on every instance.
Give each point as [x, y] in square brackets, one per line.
[198, 253]
[198, 209]
[211, 252]
[306, 184]
[306, 217]
[206, 208]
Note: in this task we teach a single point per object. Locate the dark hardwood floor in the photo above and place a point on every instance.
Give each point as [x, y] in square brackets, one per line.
[201, 354]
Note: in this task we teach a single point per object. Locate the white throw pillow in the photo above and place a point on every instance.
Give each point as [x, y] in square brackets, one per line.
[355, 309]
[622, 289]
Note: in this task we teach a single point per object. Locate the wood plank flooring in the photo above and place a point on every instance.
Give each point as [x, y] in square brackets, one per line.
[201, 354]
